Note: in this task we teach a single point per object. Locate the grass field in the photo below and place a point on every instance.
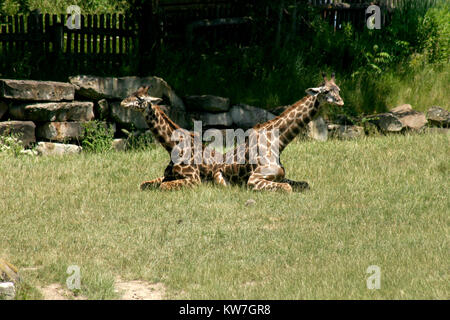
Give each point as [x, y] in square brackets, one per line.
[378, 201]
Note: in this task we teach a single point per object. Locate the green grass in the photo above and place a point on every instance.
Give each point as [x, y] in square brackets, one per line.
[378, 201]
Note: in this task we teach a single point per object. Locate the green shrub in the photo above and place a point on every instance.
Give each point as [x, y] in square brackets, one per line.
[434, 33]
[139, 141]
[10, 143]
[98, 137]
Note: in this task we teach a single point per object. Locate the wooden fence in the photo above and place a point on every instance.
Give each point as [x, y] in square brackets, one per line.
[101, 39]
[103, 42]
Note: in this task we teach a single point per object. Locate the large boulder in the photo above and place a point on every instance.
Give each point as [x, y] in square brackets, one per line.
[54, 111]
[60, 131]
[180, 117]
[219, 120]
[7, 291]
[345, 132]
[398, 119]
[127, 117]
[102, 109]
[25, 130]
[97, 88]
[387, 122]
[207, 103]
[56, 149]
[318, 129]
[438, 117]
[3, 108]
[36, 90]
[410, 118]
[245, 116]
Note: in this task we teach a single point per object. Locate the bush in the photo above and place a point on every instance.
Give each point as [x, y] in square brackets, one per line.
[434, 33]
[98, 137]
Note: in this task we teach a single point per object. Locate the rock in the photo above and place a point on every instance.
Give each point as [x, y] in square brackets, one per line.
[438, 117]
[180, 117]
[54, 111]
[387, 122]
[3, 108]
[7, 291]
[36, 90]
[56, 149]
[29, 152]
[119, 144]
[25, 130]
[370, 128]
[223, 119]
[410, 118]
[345, 120]
[102, 109]
[399, 118]
[97, 88]
[207, 103]
[245, 116]
[318, 129]
[346, 132]
[128, 117]
[250, 203]
[60, 131]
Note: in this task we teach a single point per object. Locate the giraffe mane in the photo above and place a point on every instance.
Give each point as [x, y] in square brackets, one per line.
[288, 109]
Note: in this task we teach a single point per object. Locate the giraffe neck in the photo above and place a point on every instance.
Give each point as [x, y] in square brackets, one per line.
[161, 126]
[295, 118]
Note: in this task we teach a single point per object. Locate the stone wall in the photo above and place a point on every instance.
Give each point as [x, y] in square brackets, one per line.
[47, 113]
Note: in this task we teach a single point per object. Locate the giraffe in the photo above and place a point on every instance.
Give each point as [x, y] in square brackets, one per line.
[257, 171]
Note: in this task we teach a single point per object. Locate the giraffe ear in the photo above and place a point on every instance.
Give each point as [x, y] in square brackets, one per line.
[314, 91]
[146, 89]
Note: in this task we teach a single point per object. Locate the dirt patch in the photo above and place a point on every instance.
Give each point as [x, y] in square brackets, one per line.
[56, 292]
[139, 290]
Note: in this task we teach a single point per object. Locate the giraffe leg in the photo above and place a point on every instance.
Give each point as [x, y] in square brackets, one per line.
[152, 184]
[297, 186]
[220, 179]
[256, 182]
[178, 184]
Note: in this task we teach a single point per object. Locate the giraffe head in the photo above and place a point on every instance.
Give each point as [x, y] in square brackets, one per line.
[140, 100]
[328, 92]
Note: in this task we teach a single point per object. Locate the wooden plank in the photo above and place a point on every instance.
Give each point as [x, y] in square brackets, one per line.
[16, 32]
[82, 35]
[114, 38]
[102, 37]
[89, 37]
[2, 37]
[68, 34]
[22, 31]
[108, 37]
[10, 31]
[46, 31]
[121, 28]
[94, 35]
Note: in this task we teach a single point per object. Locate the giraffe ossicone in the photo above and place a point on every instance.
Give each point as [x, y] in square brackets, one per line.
[253, 157]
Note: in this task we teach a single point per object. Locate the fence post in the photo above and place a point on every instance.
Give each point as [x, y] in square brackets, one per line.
[147, 38]
[58, 38]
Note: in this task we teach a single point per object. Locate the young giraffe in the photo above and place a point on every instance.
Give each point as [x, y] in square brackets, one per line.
[265, 172]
